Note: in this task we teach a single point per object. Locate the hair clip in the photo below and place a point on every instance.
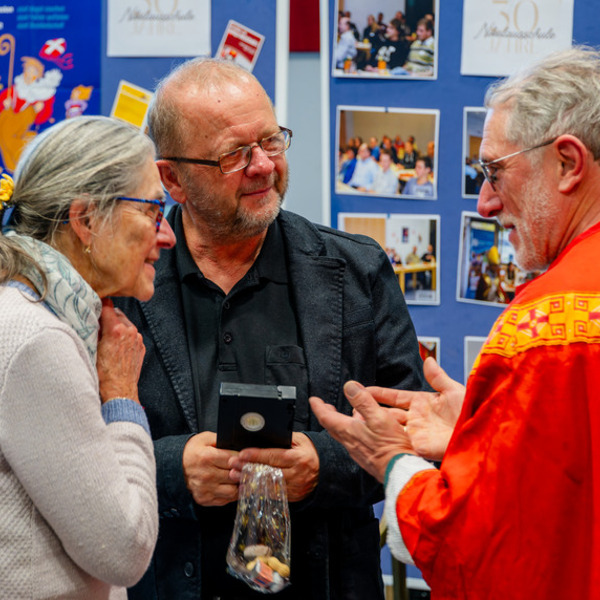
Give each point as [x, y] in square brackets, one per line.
[7, 186]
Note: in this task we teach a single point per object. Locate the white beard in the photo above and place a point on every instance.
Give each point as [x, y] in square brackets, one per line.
[41, 89]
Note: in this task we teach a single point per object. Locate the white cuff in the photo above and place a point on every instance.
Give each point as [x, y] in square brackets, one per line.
[402, 471]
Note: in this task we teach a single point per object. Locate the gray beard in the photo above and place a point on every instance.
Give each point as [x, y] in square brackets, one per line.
[243, 225]
[246, 225]
[529, 257]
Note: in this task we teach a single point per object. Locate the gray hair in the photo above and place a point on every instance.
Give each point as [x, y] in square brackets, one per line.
[166, 124]
[95, 159]
[558, 95]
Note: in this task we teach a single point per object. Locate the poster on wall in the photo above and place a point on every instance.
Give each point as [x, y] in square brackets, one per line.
[151, 29]
[131, 104]
[387, 152]
[499, 36]
[429, 346]
[473, 178]
[411, 243]
[240, 44]
[472, 348]
[49, 69]
[374, 43]
[487, 272]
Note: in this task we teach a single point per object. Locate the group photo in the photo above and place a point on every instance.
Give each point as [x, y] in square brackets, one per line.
[387, 152]
[383, 41]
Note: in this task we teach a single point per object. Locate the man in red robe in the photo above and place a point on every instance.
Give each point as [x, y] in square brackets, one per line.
[511, 511]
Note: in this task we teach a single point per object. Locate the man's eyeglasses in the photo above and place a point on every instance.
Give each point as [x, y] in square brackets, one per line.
[154, 213]
[238, 159]
[491, 176]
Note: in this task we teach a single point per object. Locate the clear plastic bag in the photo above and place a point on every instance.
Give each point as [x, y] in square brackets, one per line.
[259, 550]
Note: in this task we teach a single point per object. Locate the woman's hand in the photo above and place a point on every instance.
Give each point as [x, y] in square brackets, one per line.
[120, 354]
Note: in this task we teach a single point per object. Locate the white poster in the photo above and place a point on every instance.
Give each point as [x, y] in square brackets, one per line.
[151, 28]
[499, 36]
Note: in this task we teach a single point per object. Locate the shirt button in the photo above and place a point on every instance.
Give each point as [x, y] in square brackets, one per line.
[227, 338]
[188, 569]
[226, 305]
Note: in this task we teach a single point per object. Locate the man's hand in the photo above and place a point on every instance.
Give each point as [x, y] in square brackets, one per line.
[371, 437]
[429, 417]
[206, 470]
[299, 464]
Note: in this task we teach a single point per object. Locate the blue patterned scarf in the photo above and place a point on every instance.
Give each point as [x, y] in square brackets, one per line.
[68, 295]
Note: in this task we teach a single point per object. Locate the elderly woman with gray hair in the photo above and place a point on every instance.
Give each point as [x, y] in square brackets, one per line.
[78, 503]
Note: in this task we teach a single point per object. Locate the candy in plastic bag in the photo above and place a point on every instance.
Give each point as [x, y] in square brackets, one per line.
[259, 550]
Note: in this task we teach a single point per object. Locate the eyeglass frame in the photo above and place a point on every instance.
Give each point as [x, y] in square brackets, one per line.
[160, 203]
[217, 163]
[484, 164]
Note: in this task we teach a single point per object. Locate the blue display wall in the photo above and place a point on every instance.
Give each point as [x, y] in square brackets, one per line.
[145, 72]
[451, 320]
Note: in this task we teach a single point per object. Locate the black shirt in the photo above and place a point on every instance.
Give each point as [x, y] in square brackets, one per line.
[249, 335]
[409, 160]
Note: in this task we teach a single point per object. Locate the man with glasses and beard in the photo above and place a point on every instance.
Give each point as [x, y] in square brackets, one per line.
[512, 512]
[254, 294]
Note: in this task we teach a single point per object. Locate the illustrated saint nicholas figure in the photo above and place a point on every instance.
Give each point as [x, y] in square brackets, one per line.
[24, 106]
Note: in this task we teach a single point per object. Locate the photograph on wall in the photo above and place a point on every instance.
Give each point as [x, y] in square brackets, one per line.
[429, 346]
[473, 346]
[389, 39]
[499, 36]
[151, 29]
[240, 44]
[388, 152]
[411, 243]
[472, 180]
[487, 273]
[49, 70]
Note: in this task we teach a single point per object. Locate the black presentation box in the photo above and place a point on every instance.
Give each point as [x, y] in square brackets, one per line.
[258, 416]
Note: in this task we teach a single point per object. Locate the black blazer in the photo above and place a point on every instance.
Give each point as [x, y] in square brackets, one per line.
[354, 324]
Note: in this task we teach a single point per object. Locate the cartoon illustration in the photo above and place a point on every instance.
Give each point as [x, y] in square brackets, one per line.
[26, 103]
[55, 51]
[77, 103]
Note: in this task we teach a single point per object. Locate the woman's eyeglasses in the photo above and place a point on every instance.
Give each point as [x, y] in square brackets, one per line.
[160, 210]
